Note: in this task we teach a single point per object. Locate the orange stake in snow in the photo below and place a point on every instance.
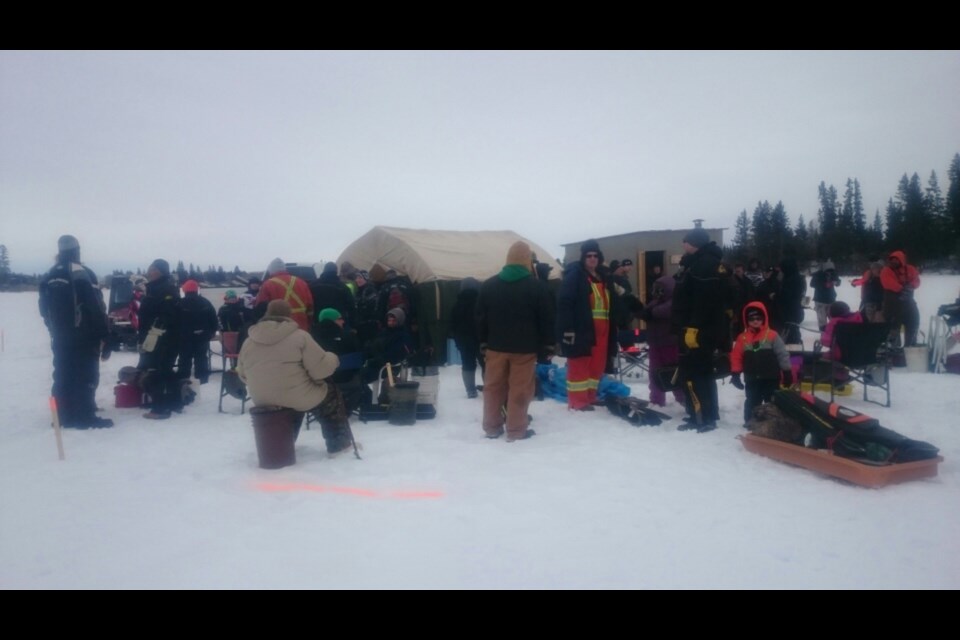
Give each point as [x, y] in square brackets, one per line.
[56, 427]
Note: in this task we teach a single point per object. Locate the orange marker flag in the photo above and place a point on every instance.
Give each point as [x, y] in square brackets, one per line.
[56, 427]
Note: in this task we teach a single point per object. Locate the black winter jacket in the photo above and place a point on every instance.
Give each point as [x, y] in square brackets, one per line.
[515, 317]
[698, 299]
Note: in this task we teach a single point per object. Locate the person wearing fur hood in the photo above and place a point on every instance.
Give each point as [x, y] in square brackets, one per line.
[583, 326]
[282, 365]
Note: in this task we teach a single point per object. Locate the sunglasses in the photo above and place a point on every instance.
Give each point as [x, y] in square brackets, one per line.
[591, 255]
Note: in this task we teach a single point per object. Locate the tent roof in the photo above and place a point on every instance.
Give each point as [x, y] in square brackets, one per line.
[426, 255]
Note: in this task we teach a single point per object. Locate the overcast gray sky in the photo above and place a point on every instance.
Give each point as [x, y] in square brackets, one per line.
[237, 158]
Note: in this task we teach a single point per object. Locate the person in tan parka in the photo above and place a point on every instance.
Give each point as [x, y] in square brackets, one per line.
[282, 365]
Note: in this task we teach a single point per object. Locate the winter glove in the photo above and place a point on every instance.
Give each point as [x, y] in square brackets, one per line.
[690, 338]
[569, 337]
[787, 378]
[736, 381]
[906, 293]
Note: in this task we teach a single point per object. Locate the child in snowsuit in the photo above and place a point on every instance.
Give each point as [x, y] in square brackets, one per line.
[761, 356]
[664, 345]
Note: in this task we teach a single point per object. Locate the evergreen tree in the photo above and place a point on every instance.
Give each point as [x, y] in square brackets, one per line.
[859, 218]
[781, 233]
[952, 209]
[182, 274]
[4, 263]
[827, 216]
[763, 236]
[741, 249]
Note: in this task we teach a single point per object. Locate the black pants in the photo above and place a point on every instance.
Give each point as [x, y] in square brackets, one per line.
[699, 384]
[76, 375]
[161, 382]
[757, 392]
[193, 357]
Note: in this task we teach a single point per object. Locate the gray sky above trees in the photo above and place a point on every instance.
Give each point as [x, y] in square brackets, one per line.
[237, 158]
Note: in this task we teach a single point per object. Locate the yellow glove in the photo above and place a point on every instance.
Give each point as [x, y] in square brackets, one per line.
[690, 338]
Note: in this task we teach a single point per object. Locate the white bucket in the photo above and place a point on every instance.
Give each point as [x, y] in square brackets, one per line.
[918, 358]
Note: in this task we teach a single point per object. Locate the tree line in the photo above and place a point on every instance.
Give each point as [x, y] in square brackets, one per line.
[918, 220]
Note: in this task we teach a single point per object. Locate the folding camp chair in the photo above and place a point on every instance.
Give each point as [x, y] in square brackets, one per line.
[863, 357]
[632, 362]
[230, 384]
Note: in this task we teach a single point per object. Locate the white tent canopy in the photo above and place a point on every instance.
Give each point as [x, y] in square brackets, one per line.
[427, 255]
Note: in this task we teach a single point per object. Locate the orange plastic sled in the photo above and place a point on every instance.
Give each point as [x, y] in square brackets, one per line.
[825, 462]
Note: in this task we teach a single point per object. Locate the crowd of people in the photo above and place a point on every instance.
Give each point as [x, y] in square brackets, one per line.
[316, 346]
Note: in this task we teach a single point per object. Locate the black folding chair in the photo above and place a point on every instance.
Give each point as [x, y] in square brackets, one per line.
[863, 357]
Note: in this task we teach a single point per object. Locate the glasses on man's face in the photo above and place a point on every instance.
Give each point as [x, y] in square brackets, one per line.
[592, 255]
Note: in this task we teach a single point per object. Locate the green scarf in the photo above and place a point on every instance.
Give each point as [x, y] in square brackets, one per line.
[514, 272]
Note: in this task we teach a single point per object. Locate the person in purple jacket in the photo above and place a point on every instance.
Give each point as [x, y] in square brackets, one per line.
[663, 344]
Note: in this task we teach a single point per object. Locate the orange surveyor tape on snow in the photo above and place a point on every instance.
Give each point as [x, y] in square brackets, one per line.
[273, 487]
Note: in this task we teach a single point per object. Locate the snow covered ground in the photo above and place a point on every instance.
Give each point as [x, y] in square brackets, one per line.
[590, 502]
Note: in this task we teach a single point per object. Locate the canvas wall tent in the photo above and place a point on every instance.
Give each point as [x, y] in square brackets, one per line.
[436, 261]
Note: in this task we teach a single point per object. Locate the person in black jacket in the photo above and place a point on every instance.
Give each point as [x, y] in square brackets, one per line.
[463, 327]
[329, 292]
[515, 323]
[159, 340]
[700, 321]
[793, 287]
[584, 309]
[824, 283]
[72, 307]
[198, 325]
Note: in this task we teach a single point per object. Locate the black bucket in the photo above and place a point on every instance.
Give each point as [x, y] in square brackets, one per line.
[403, 403]
[275, 430]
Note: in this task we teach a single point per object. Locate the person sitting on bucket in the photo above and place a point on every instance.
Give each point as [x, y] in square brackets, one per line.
[282, 365]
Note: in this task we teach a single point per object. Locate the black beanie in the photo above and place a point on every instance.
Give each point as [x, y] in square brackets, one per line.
[590, 246]
[697, 238]
[162, 266]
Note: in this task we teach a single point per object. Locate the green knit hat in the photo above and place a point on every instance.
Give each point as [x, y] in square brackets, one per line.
[328, 314]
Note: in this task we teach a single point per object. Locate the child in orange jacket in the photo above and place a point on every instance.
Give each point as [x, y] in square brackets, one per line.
[760, 354]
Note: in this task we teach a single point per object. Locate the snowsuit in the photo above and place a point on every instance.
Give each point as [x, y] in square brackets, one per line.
[760, 355]
[159, 340]
[899, 307]
[698, 312]
[72, 308]
[663, 346]
[198, 325]
[584, 333]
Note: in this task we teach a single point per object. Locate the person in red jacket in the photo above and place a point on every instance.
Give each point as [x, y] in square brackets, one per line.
[280, 285]
[899, 281]
[760, 354]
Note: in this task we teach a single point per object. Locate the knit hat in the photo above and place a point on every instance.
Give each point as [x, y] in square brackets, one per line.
[279, 308]
[230, 295]
[398, 314]
[520, 253]
[362, 274]
[614, 265]
[590, 246]
[469, 284]
[276, 266]
[627, 262]
[330, 267]
[329, 314]
[160, 265]
[66, 243]
[190, 286]
[829, 266]
[254, 280]
[697, 237]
